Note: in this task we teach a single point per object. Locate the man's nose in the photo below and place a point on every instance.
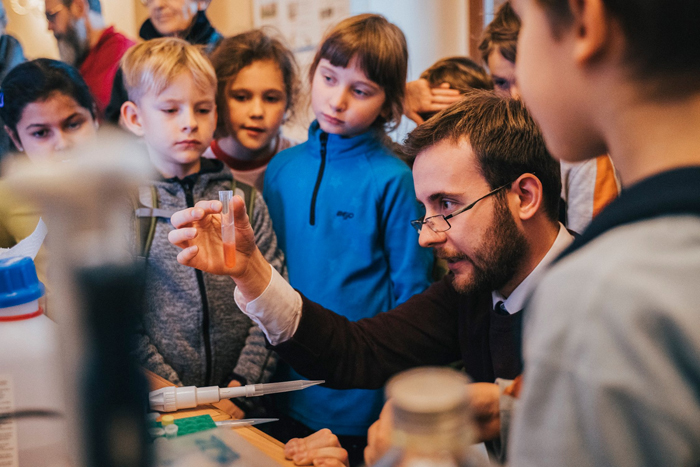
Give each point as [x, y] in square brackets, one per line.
[428, 238]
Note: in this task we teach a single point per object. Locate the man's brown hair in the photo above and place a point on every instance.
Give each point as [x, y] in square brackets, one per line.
[381, 51]
[505, 139]
[501, 34]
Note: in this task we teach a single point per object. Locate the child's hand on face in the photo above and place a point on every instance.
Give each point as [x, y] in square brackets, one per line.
[421, 98]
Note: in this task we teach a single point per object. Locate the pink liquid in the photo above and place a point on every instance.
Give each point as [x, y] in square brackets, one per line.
[230, 254]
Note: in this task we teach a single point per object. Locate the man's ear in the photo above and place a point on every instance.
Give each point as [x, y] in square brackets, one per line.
[592, 29]
[15, 139]
[79, 8]
[528, 188]
[131, 118]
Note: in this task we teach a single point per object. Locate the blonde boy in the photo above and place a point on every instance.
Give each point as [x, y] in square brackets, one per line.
[193, 333]
[172, 103]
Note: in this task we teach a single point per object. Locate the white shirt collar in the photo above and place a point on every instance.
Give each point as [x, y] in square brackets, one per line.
[516, 301]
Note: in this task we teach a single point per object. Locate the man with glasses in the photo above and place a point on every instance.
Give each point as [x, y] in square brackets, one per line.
[85, 42]
[491, 196]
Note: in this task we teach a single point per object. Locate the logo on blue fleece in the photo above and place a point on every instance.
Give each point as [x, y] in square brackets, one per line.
[345, 215]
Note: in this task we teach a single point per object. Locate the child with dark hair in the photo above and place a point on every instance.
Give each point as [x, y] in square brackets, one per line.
[340, 204]
[47, 109]
[586, 187]
[612, 343]
[257, 89]
[460, 73]
[499, 47]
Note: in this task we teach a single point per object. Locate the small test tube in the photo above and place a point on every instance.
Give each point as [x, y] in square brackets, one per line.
[228, 231]
[171, 431]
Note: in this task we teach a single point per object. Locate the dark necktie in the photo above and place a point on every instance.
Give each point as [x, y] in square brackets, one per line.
[500, 309]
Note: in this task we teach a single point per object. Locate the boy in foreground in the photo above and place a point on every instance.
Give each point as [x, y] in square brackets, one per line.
[193, 333]
[612, 338]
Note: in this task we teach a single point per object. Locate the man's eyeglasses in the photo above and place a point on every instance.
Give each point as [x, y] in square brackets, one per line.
[438, 223]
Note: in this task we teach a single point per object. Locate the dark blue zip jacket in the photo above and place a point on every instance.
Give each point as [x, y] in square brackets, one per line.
[341, 208]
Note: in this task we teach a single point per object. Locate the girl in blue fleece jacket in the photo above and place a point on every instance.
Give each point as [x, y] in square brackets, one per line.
[341, 203]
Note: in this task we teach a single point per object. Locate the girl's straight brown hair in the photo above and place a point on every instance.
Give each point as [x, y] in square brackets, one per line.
[381, 52]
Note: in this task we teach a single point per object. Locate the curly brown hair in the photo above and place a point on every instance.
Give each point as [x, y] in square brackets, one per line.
[237, 52]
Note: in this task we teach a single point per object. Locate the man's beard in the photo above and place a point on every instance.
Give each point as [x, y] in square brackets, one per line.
[74, 45]
[498, 257]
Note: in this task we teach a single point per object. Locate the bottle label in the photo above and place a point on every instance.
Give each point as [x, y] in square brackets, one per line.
[9, 456]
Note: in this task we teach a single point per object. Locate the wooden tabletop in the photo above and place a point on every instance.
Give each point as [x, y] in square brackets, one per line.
[264, 442]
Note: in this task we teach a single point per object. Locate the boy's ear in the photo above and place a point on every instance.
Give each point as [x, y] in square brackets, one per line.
[132, 118]
[592, 30]
[15, 139]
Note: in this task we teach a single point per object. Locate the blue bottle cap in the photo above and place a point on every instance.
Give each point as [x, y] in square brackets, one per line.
[18, 282]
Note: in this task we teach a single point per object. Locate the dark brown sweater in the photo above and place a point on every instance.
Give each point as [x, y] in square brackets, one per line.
[437, 327]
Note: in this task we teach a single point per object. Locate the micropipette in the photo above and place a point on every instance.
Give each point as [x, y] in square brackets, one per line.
[245, 422]
[174, 398]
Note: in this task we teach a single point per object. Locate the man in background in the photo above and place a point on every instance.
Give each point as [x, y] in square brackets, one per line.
[85, 42]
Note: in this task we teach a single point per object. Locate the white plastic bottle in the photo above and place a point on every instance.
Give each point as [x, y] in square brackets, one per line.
[432, 426]
[30, 372]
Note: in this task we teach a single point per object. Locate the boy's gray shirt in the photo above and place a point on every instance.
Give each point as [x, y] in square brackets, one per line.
[613, 365]
[171, 341]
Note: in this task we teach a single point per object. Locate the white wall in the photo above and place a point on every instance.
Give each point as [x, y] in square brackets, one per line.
[434, 28]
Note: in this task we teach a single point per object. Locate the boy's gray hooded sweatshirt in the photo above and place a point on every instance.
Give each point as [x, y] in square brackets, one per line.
[193, 333]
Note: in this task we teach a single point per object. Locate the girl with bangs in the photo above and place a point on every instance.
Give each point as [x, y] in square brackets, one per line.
[341, 204]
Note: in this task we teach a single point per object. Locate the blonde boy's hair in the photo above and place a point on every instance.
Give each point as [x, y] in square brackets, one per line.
[153, 66]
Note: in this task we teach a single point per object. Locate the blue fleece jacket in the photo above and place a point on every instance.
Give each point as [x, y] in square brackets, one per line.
[341, 209]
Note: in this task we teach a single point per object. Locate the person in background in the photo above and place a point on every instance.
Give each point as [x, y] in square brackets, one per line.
[258, 86]
[438, 87]
[460, 73]
[340, 203]
[11, 55]
[47, 110]
[184, 19]
[193, 333]
[587, 187]
[86, 43]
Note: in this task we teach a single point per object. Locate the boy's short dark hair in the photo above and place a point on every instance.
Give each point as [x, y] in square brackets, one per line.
[237, 52]
[462, 74]
[501, 34]
[662, 36]
[381, 51]
[505, 139]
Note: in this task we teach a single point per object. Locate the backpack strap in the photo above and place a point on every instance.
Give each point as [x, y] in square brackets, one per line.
[147, 212]
[146, 215]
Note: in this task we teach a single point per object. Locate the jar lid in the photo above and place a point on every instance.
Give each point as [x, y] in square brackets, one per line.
[19, 283]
